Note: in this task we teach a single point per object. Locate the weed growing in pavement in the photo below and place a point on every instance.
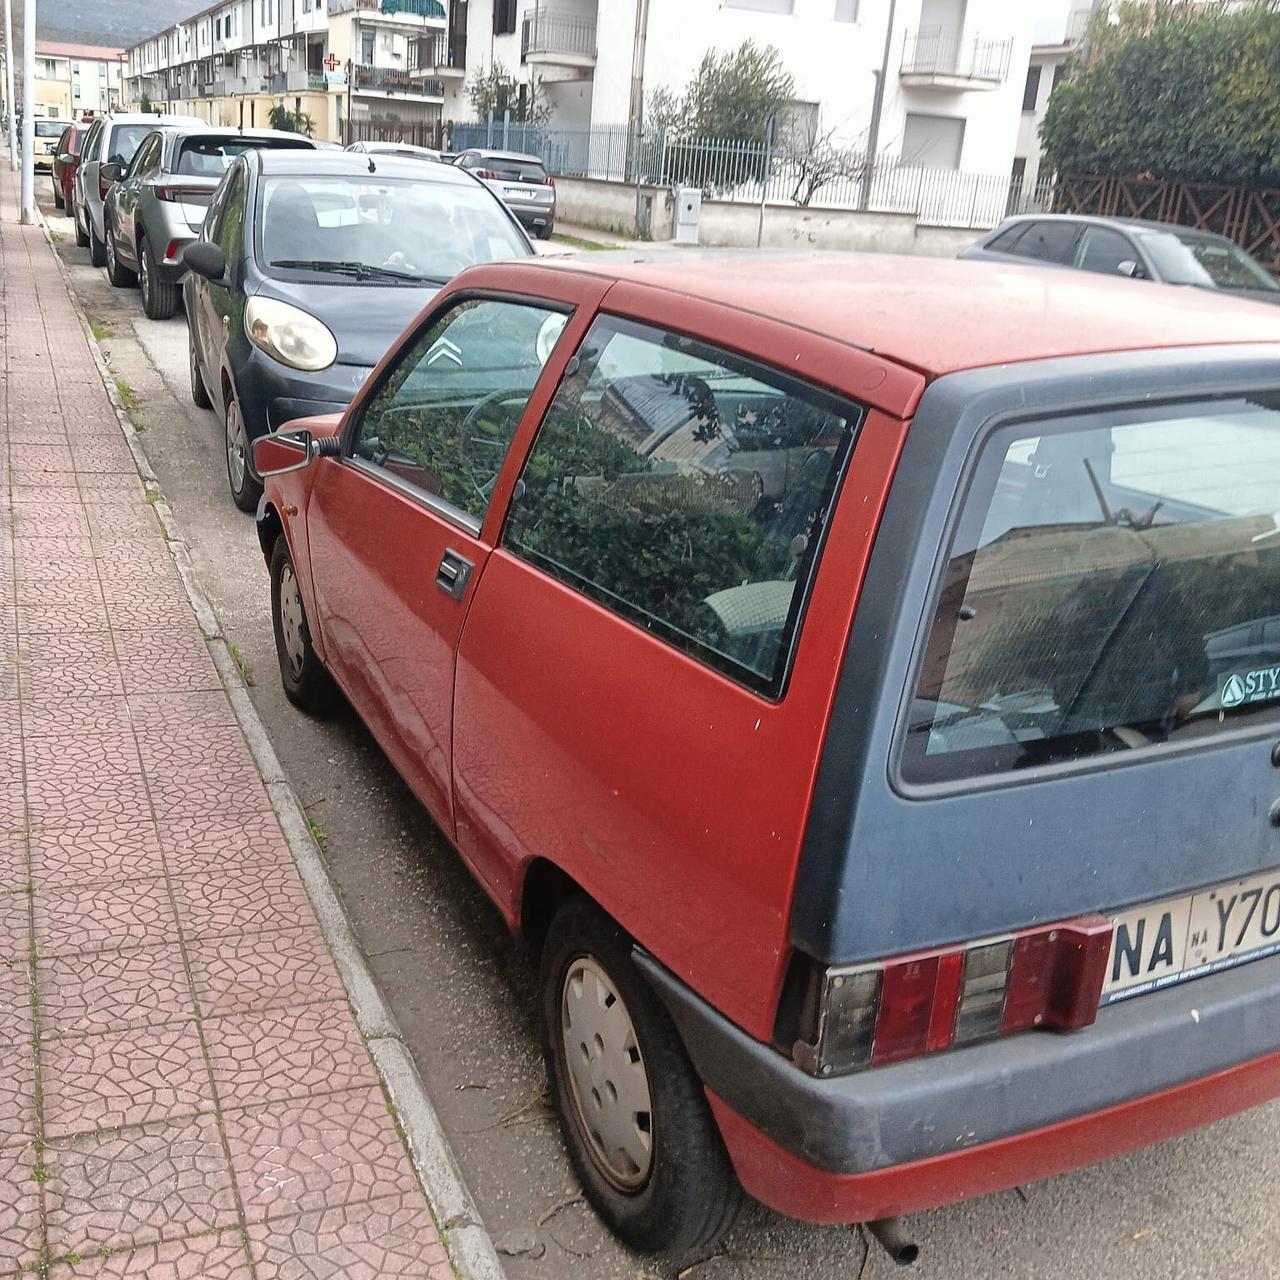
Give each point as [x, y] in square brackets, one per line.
[318, 833]
[579, 243]
[101, 330]
[128, 396]
[56, 236]
[154, 496]
[41, 1172]
[246, 671]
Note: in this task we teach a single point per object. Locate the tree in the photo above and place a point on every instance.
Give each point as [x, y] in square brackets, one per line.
[812, 161]
[281, 118]
[1173, 90]
[144, 104]
[496, 91]
[732, 96]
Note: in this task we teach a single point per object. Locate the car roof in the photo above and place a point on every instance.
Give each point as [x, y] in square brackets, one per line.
[226, 131]
[146, 117]
[355, 164]
[941, 315]
[405, 148]
[1106, 220]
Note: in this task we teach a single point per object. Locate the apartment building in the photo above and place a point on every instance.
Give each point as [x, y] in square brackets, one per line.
[75, 79]
[356, 67]
[952, 69]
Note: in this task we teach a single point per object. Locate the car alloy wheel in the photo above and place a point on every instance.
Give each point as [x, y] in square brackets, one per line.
[609, 1083]
[291, 622]
[237, 447]
[144, 281]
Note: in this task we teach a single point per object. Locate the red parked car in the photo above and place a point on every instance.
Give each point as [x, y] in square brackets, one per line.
[859, 679]
[65, 161]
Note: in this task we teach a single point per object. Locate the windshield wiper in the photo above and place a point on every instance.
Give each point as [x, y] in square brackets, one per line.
[360, 270]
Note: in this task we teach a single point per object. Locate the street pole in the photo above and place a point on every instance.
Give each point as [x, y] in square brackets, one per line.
[8, 84]
[877, 110]
[29, 111]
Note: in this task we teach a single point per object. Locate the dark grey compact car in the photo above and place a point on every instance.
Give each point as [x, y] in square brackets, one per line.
[309, 265]
[521, 182]
[156, 206]
[1131, 247]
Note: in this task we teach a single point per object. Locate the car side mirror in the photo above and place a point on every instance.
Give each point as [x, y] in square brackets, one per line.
[113, 171]
[206, 259]
[1130, 268]
[285, 451]
[65, 157]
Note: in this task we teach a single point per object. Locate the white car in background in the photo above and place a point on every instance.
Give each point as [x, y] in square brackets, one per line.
[521, 182]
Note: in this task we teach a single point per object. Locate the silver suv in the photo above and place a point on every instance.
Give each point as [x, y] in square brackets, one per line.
[521, 182]
[157, 207]
[113, 138]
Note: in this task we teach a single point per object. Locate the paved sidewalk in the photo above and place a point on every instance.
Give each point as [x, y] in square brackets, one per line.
[183, 1089]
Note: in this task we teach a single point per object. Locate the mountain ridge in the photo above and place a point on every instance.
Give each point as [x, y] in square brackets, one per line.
[114, 24]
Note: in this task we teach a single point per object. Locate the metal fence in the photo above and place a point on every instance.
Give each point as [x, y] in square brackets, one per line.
[756, 172]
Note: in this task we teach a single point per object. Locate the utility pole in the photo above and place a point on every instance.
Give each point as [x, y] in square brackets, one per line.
[29, 111]
[8, 84]
[877, 110]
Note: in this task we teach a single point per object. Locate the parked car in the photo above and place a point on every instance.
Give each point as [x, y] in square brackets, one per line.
[66, 158]
[1131, 247]
[308, 267]
[157, 208]
[113, 138]
[519, 180]
[859, 683]
[45, 143]
[394, 149]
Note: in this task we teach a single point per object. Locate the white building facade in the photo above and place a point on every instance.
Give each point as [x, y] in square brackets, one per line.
[952, 69]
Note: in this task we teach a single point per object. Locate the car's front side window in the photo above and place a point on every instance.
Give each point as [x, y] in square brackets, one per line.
[444, 418]
[1106, 252]
[687, 489]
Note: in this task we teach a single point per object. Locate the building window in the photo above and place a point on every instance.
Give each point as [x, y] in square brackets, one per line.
[934, 142]
[763, 6]
[795, 127]
[504, 17]
[1031, 90]
[217, 29]
[366, 47]
[846, 10]
[1059, 75]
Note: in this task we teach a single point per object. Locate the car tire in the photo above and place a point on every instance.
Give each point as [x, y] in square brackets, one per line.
[687, 1195]
[97, 250]
[119, 275]
[545, 233]
[306, 682]
[199, 393]
[159, 297]
[58, 202]
[82, 236]
[245, 490]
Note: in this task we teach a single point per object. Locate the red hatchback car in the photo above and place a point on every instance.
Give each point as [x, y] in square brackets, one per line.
[858, 678]
[65, 162]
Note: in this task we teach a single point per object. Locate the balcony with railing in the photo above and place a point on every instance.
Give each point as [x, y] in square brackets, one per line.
[938, 58]
[555, 37]
[438, 55]
[393, 81]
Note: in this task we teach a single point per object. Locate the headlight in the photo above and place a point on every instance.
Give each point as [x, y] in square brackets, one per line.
[289, 335]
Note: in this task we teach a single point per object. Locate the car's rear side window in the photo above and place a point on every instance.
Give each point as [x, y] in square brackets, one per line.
[1113, 584]
[688, 490]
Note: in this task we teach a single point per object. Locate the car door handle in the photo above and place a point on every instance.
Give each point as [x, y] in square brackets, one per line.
[453, 574]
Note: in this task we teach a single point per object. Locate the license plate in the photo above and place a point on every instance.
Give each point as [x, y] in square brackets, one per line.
[1178, 939]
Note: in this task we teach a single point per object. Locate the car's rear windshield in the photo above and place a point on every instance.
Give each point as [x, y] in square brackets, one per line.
[514, 170]
[332, 226]
[125, 140]
[49, 128]
[1113, 584]
[212, 157]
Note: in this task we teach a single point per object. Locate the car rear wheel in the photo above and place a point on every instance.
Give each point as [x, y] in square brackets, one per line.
[544, 232]
[245, 490]
[306, 682]
[82, 236]
[199, 393]
[97, 250]
[633, 1113]
[119, 275]
[159, 297]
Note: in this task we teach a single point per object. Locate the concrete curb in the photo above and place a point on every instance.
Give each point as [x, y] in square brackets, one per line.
[470, 1247]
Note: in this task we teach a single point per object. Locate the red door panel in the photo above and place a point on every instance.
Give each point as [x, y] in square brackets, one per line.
[390, 632]
[674, 796]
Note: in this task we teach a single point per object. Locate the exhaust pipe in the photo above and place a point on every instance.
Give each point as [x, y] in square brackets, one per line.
[889, 1235]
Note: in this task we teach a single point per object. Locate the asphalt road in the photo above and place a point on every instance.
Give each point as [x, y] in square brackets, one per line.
[1201, 1206]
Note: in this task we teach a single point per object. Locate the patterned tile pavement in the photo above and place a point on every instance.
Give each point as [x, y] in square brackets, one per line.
[183, 1089]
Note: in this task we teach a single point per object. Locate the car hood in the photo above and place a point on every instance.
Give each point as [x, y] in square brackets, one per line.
[365, 318]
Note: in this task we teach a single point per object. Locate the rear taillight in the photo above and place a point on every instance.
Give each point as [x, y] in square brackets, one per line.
[487, 173]
[550, 181]
[908, 1006]
[178, 194]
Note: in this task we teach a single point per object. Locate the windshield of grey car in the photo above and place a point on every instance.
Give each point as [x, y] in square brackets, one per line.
[125, 141]
[333, 226]
[1186, 257]
[212, 157]
[1114, 583]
